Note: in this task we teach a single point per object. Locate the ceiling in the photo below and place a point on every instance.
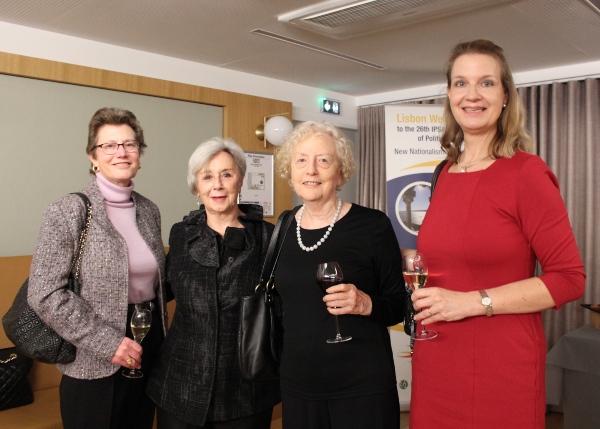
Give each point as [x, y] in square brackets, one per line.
[535, 34]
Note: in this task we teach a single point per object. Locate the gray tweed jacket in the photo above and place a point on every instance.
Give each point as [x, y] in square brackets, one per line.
[95, 321]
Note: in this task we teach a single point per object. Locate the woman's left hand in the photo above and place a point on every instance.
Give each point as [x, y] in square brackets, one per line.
[346, 298]
[435, 304]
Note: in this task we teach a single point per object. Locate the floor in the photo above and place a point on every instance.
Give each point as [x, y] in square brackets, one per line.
[553, 420]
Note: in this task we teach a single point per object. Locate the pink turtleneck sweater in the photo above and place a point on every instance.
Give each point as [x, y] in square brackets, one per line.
[143, 269]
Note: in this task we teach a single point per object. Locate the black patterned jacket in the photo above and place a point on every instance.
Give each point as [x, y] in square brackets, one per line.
[196, 376]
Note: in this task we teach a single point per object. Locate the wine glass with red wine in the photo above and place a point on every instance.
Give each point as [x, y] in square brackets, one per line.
[330, 274]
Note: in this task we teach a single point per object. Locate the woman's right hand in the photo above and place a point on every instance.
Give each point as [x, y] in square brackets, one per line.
[128, 351]
[346, 298]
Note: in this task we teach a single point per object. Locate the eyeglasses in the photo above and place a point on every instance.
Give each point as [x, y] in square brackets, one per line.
[111, 148]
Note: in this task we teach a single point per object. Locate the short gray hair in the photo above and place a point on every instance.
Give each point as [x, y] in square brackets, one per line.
[206, 151]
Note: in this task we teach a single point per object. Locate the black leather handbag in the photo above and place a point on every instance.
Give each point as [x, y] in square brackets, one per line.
[31, 336]
[260, 335]
[409, 312]
[15, 390]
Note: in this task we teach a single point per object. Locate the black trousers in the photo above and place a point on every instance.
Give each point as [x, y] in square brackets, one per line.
[260, 420]
[380, 411]
[114, 402]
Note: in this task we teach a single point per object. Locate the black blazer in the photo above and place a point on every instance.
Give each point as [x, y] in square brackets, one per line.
[197, 364]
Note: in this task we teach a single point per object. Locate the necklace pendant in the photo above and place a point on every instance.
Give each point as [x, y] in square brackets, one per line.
[463, 168]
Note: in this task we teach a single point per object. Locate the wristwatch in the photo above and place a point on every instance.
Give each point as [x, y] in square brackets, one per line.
[486, 301]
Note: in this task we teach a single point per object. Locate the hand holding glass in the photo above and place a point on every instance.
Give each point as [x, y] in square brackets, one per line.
[414, 269]
[141, 320]
[330, 274]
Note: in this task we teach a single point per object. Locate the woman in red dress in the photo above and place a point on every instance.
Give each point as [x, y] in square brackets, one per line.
[496, 210]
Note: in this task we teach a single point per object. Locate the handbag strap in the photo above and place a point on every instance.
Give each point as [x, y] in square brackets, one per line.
[436, 173]
[83, 235]
[268, 270]
[11, 357]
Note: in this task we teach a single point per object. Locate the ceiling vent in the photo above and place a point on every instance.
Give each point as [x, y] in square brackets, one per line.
[342, 19]
[315, 48]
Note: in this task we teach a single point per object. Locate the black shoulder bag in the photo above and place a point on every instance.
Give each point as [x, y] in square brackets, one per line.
[260, 334]
[31, 336]
[409, 314]
[15, 390]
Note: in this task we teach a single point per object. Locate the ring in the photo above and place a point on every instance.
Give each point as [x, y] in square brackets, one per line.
[429, 311]
[129, 361]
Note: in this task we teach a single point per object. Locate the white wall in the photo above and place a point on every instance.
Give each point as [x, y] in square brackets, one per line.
[46, 45]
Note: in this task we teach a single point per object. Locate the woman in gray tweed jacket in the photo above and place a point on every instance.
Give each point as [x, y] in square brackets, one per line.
[123, 264]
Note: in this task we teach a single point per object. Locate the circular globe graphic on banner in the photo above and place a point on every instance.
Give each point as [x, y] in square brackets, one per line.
[411, 205]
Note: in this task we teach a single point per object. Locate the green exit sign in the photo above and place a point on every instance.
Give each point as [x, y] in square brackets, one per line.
[330, 106]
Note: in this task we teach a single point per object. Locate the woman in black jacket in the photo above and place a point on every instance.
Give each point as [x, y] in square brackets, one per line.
[216, 255]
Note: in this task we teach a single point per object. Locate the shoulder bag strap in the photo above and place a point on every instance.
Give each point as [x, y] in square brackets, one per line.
[411, 321]
[436, 173]
[83, 235]
[274, 249]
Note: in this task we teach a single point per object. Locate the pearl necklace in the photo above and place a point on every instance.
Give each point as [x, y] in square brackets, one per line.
[322, 240]
[463, 168]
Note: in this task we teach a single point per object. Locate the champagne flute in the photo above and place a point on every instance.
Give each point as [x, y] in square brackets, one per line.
[141, 320]
[330, 274]
[414, 270]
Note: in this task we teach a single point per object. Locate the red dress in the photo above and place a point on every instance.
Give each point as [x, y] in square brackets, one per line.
[486, 229]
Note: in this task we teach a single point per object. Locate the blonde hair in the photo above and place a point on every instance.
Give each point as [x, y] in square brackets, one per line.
[305, 130]
[511, 135]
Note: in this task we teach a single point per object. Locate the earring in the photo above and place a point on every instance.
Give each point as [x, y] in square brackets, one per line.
[95, 169]
[504, 106]
[198, 200]
[140, 167]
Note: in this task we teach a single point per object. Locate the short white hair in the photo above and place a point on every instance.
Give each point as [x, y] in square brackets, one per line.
[306, 130]
[206, 151]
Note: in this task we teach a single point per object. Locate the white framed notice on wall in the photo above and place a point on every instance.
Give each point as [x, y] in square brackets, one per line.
[259, 182]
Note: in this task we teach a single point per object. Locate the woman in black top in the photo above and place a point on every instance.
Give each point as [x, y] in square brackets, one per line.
[350, 384]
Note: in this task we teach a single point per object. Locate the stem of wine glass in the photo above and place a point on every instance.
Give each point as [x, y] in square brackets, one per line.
[423, 330]
[337, 327]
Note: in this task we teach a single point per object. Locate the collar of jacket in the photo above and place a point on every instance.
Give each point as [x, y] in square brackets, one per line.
[202, 241]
